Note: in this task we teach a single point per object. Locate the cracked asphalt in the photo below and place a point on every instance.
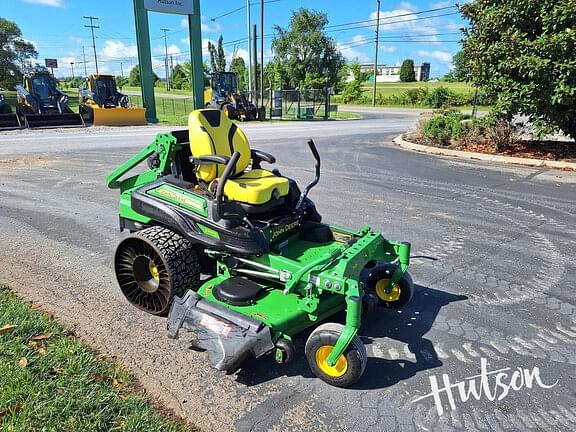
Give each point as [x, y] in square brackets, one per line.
[493, 262]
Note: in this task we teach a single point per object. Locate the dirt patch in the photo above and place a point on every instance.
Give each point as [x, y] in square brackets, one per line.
[31, 162]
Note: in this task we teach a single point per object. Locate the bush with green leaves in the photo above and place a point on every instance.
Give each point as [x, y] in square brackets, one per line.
[445, 127]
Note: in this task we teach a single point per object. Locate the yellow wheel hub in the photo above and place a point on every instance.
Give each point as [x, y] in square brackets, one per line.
[335, 371]
[393, 295]
[154, 270]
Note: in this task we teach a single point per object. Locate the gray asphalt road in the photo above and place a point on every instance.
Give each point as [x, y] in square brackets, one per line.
[494, 265]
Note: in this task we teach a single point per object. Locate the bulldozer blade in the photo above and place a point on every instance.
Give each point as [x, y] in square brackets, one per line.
[9, 121]
[119, 116]
[36, 121]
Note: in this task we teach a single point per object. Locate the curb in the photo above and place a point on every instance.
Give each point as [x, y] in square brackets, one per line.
[399, 140]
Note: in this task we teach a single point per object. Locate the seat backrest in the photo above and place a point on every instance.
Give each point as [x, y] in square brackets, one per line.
[211, 132]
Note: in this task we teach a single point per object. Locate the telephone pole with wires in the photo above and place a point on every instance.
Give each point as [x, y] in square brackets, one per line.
[92, 27]
[165, 30]
[376, 52]
[249, 48]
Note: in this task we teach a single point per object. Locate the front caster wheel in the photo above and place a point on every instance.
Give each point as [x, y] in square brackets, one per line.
[348, 368]
[401, 292]
[154, 265]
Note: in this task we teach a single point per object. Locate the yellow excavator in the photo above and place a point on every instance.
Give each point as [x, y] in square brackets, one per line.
[101, 104]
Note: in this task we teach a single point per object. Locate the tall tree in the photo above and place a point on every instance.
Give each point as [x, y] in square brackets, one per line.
[303, 54]
[134, 76]
[15, 52]
[407, 73]
[460, 71]
[178, 77]
[238, 66]
[524, 53]
[217, 57]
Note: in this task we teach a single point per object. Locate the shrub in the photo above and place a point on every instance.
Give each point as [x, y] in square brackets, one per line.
[439, 97]
[445, 127]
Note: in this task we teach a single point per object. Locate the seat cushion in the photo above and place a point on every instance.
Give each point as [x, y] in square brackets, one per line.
[212, 133]
[256, 187]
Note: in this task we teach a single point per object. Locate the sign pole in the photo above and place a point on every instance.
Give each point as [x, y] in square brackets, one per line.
[195, 30]
[145, 60]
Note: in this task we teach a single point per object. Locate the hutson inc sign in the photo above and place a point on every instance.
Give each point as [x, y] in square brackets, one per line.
[180, 7]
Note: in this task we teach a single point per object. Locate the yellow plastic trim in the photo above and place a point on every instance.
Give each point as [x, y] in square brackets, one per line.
[394, 294]
[256, 187]
[336, 371]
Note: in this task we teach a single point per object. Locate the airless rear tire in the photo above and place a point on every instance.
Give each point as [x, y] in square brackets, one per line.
[154, 265]
[348, 368]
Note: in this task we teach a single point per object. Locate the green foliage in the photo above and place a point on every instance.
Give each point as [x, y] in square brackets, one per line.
[353, 89]
[53, 382]
[304, 55]
[217, 57]
[407, 73]
[460, 71]
[445, 127]
[238, 66]
[15, 52]
[134, 76]
[523, 52]
[178, 79]
[121, 81]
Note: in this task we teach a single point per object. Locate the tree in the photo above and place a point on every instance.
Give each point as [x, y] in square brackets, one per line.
[134, 77]
[353, 89]
[460, 71]
[303, 54]
[217, 57]
[15, 52]
[121, 81]
[523, 53]
[178, 78]
[407, 73]
[238, 66]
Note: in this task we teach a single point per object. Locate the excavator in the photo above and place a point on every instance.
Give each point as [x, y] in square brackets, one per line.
[223, 94]
[101, 104]
[8, 120]
[42, 104]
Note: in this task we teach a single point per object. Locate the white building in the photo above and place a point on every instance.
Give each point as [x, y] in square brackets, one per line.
[392, 73]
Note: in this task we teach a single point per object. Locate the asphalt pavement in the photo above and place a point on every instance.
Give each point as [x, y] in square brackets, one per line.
[493, 262]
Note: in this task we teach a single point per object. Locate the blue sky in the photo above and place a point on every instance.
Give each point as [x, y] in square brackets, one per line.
[57, 29]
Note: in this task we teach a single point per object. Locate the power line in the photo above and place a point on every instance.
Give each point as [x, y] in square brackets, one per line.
[239, 9]
[92, 27]
[165, 30]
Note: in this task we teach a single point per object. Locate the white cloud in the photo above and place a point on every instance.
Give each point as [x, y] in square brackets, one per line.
[441, 4]
[75, 39]
[53, 3]
[441, 56]
[405, 20]
[407, 5]
[118, 50]
[207, 27]
[172, 50]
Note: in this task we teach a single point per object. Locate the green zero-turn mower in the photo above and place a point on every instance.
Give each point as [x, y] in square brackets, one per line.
[270, 268]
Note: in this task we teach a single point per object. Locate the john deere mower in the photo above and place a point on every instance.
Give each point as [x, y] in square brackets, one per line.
[271, 269]
[42, 104]
[100, 103]
[223, 94]
[8, 120]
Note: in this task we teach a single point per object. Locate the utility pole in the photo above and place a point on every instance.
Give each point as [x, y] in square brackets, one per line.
[85, 66]
[166, 57]
[72, 66]
[376, 52]
[121, 70]
[249, 48]
[255, 53]
[171, 66]
[92, 27]
[261, 57]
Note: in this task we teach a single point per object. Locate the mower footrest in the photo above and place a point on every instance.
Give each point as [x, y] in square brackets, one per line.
[228, 337]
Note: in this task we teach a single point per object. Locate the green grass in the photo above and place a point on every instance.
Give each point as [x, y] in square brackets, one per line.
[62, 385]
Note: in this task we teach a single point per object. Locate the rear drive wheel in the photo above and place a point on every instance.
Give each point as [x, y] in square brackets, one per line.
[348, 368]
[154, 265]
[401, 292]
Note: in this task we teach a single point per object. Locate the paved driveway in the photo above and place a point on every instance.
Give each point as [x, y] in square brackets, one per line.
[494, 265]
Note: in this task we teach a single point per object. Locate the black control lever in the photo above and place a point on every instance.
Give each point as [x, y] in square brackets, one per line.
[314, 151]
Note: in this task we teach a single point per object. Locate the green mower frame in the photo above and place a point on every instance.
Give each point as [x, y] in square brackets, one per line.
[303, 271]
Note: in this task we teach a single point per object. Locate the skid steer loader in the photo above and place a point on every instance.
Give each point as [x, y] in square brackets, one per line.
[42, 104]
[101, 104]
[223, 94]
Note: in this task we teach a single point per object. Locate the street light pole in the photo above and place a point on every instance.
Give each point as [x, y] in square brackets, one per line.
[376, 52]
[248, 25]
[72, 65]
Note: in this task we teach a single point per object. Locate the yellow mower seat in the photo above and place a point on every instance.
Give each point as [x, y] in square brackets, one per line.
[213, 133]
